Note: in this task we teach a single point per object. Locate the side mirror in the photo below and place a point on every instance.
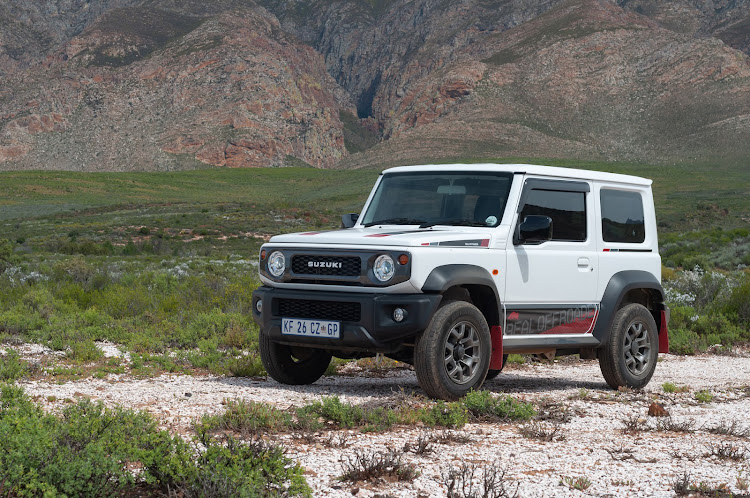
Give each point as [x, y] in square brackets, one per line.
[348, 220]
[535, 229]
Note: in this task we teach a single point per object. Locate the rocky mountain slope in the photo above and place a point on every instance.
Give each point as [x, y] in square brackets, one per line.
[171, 84]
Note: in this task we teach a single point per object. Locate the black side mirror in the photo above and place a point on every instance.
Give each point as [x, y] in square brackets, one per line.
[348, 220]
[535, 229]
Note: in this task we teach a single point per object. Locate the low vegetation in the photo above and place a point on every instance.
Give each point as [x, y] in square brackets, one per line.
[250, 418]
[470, 480]
[370, 465]
[91, 450]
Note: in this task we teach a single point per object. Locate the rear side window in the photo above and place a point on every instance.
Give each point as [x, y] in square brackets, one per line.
[622, 216]
[567, 210]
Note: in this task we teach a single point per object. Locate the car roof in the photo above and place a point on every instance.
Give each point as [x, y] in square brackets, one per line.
[529, 169]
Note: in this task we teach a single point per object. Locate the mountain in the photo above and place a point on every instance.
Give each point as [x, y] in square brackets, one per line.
[174, 84]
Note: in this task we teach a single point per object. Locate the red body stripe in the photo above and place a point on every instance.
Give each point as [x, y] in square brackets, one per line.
[379, 235]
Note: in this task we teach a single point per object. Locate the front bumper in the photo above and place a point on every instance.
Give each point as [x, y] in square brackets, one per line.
[367, 323]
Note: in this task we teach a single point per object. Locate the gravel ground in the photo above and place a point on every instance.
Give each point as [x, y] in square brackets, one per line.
[594, 449]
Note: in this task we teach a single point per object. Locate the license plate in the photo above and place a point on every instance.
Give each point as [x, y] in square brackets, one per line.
[311, 328]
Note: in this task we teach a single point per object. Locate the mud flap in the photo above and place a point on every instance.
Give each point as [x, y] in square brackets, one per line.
[496, 359]
[663, 333]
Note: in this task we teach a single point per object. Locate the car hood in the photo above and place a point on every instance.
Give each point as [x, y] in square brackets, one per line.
[390, 236]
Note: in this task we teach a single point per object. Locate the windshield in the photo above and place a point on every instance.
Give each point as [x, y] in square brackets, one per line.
[433, 198]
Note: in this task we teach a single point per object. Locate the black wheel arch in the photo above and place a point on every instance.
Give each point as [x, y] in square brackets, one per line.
[629, 286]
[451, 280]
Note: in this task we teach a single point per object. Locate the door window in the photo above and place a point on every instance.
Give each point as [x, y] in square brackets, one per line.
[567, 210]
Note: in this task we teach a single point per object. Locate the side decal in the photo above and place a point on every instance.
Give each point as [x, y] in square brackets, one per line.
[569, 320]
[460, 243]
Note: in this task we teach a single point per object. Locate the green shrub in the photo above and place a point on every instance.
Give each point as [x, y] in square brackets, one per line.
[84, 351]
[12, 367]
[90, 451]
[246, 417]
[442, 414]
[233, 469]
[7, 258]
[738, 304]
[704, 396]
[482, 405]
[246, 366]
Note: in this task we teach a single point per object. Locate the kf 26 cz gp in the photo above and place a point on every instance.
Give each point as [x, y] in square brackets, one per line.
[452, 267]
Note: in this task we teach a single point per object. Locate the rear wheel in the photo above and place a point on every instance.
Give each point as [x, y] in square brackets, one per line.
[629, 358]
[452, 355]
[292, 364]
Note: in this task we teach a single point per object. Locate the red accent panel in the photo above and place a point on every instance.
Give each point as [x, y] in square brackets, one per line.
[513, 316]
[378, 235]
[606, 250]
[496, 360]
[425, 243]
[663, 334]
[582, 326]
[485, 243]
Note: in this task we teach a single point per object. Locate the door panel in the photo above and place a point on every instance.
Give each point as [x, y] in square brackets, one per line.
[552, 287]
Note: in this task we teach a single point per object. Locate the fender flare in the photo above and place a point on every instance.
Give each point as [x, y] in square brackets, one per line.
[444, 277]
[618, 286]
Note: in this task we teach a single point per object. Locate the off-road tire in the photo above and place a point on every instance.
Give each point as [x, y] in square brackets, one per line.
[629, 357]
[471, 345]
[491, 374]
[296, 365]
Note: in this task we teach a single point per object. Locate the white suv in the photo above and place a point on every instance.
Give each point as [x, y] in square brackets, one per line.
[452, 267]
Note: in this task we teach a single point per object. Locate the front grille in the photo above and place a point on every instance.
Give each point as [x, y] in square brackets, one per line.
[344, 266]
[320, 310]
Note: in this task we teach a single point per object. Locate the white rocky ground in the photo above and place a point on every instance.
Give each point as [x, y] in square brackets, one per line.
[594, 447]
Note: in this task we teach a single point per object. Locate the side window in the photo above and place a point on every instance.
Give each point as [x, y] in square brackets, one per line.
[622, 216]
[567, 210]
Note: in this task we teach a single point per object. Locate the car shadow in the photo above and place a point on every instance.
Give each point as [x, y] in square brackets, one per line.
[406, 383]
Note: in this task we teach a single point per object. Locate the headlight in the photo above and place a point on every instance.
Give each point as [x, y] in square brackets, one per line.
[276, 264]
[384, 268]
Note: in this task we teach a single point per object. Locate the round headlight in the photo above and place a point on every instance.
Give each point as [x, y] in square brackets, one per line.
[384, 268]
[276, 264]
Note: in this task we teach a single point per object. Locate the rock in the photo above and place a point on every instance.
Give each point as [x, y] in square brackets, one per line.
[657, 410]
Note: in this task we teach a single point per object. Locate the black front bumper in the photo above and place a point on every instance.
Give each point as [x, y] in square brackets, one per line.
[367, 323]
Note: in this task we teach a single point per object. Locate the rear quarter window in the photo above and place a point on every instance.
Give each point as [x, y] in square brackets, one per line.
[622, 216]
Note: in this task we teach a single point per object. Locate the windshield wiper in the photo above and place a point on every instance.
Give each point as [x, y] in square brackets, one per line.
[460, 222]
[395, 221]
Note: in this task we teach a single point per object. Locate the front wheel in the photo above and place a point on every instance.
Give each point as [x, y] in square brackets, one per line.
[452, 355]
[293, 365]
[629, 358]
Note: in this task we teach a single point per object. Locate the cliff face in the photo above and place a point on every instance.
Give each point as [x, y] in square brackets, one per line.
[144, 87]
[169, 84]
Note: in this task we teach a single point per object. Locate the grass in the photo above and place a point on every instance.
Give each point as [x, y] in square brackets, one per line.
[162, 264]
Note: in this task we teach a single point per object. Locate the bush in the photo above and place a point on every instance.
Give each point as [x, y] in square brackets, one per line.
[7, 258]
[482, 405]
[84, 351]
[12, 367]
[233, 469]
[738, 304]
[91, 450]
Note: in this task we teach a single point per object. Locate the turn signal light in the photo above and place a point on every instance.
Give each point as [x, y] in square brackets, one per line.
[403, 260]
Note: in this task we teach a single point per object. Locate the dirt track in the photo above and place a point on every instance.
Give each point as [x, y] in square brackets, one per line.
[594, 450]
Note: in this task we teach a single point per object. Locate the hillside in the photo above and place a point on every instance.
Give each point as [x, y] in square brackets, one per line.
[158, 85]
